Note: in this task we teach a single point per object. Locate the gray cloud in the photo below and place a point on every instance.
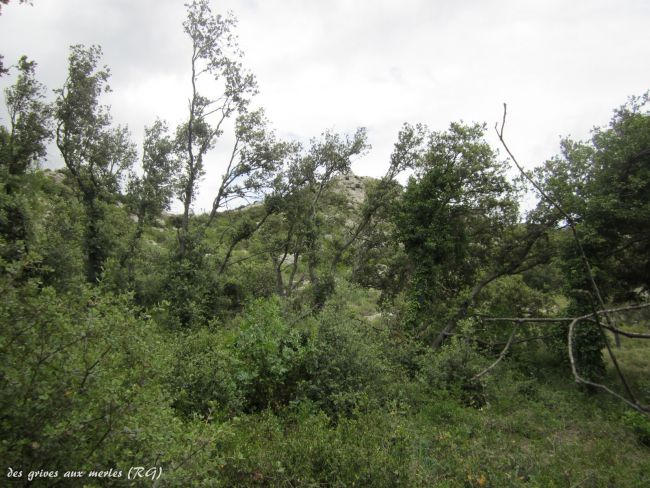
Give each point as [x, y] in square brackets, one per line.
[561, 66]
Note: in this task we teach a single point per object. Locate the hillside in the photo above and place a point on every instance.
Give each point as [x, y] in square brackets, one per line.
[337, 331]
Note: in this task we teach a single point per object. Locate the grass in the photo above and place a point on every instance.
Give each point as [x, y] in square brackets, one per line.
[533, 432]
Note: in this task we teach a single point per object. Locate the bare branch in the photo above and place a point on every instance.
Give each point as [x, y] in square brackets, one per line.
[623, 308]
[633, 402]
[502, 355]
[583, 256]
[579, 379]
[526, 319]
[632, 335]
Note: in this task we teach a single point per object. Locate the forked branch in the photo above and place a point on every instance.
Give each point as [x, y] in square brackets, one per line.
[633, 402]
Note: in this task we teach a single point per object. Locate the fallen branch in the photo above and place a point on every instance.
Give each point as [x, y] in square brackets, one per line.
[494, 344]
[583, 257]
[526, 319]
[502, 355]
[631, 335]
[579, 379]
[633, 402]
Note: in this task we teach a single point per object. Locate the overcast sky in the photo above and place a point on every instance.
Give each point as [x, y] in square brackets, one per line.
[562, 66]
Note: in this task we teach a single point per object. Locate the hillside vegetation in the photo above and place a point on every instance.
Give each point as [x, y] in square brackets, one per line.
[316, 328]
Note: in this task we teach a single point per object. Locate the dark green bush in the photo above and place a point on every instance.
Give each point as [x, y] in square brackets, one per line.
[348, 367]
[255, 364]
[81, 381]
[267, 360]
[452, 369]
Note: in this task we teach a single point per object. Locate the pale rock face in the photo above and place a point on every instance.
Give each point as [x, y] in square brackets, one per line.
[55, 175]
[354, 186]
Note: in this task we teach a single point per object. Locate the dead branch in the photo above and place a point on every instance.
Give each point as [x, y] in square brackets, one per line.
[633, 402]
[486, 344]
[502, 355]
[579, 379]
[622, 308]
[631, 335]
[526, 319]
[583, 256]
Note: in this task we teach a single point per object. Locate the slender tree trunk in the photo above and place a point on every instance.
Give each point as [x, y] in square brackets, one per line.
[94, 246]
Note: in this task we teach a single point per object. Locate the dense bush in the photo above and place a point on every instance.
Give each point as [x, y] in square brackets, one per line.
[255, 364]
[451, 371]
[266, 359]
[81, 380]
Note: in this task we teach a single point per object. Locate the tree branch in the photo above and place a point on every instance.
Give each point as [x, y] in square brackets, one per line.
[579, 379]
[502, 355]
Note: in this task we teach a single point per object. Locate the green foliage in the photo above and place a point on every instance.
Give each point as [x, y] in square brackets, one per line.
[49, 234]
[348, 367]
[288, 343]
[451, 371]
[96, 155]
[204, 379]
[263, 362]
[30, 119]
[604, 184]
[452, 214]
[367, 451]
[640, 425]
[510, 296]
[255, 365]
[152, 192]
[80, 379]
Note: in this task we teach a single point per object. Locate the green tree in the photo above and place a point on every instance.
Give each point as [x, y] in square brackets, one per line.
[216, 56]
[304, 184]
[603, 185]
[253, 171]
[97, 155]
[453, 219]
[151, 193]
[378, 196]
[30, 121]
[22, 143]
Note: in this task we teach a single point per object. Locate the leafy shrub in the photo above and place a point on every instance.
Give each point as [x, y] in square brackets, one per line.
[640, 425]
[266, 360]
[273, 354]
[256, 364]
[348, 367]
[206, 378]
[81, 380]
[451, 370]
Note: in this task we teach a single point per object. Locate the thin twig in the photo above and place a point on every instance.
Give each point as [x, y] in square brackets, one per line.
[502, 355]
